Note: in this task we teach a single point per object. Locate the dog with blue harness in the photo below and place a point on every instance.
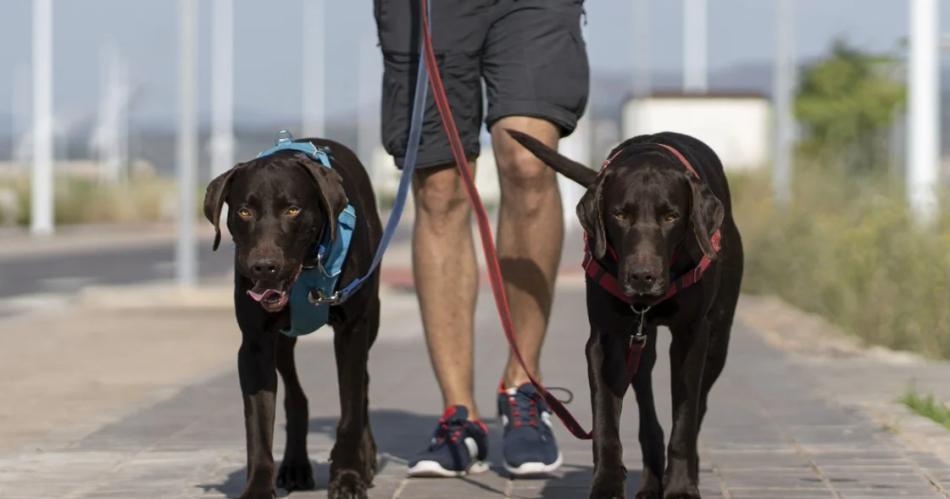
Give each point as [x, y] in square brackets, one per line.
[305, 228]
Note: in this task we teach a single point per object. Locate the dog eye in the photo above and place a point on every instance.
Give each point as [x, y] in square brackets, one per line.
[244, 213]
[293, 211]
[671, 217]
[619, 215]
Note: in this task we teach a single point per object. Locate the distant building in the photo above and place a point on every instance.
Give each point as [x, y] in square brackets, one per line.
[736, 126]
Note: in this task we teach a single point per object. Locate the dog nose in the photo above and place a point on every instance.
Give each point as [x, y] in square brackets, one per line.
[644, 275]
[266, 268]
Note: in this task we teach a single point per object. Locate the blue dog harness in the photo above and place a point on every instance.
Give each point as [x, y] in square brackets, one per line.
[306, 314]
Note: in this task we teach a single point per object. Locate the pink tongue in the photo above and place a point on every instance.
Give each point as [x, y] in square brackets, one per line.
[258, 297]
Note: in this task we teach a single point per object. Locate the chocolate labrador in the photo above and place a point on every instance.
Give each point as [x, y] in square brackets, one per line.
[279, 206]
[657, 217]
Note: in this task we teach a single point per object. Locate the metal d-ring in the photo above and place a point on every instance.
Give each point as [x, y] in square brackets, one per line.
[638, 336]
[322, 299]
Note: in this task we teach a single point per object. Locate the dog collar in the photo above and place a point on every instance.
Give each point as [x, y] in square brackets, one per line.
[286, 142]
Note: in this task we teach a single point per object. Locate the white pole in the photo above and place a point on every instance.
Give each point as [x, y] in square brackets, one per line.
[41, 215]
[186, 265]
[641, 48]
[314, 42]
[695, 42]
[367, 101]
[923, 151]
[222, 87]
[783, 91]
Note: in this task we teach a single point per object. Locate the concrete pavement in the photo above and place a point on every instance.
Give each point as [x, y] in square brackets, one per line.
[159, 413]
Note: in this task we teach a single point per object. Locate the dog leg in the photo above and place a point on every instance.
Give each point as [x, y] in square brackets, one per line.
[350, 466]
[651, 433]
[258, 377]
[687, 361]
[605, 371]
[295, 471]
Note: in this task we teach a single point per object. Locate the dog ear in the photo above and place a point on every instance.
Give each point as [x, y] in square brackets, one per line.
[590, 214]
[706, 215]
[330, 184]
[215, 195]
[560, 163]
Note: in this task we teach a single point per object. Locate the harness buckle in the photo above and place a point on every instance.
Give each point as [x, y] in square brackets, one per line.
[317, 297]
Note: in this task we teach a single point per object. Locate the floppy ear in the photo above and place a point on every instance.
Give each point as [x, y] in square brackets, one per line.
[590, 213]
[330, 184]
[215, 195]
[560, 163]
[706, 216]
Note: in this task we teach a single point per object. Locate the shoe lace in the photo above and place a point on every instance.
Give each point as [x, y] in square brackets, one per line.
[448, 431]
[524, 409]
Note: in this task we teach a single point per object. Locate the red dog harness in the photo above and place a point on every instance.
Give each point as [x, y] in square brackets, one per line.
[606, 279]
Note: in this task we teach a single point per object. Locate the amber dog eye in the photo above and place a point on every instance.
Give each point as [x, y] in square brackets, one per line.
[244, 213]
[619, 215]
[293, 211]
[671, 217]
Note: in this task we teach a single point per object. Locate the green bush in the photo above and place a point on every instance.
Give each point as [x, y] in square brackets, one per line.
[848, 249]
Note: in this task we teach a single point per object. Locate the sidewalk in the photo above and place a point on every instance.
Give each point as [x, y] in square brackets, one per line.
[115, 400]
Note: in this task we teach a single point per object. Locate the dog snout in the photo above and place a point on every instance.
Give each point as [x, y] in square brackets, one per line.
[265, 268]
[644, 275]
[643, 278]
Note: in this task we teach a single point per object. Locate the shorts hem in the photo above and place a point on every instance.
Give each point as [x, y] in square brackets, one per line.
[565, 120]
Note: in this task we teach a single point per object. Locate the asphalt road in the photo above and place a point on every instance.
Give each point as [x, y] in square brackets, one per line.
[69, 271]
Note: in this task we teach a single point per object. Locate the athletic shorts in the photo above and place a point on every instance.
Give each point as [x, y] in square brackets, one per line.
[529, 53]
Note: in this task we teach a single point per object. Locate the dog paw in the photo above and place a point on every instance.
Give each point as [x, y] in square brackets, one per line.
[608, 491]
[650, 486]
[347, 484]
[296, 474]
[682, 492]
[258, 494]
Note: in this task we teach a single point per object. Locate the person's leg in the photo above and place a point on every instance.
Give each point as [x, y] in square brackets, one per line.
[530, 236]
[446, 276]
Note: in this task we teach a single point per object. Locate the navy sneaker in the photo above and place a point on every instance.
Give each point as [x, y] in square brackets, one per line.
[530, 448]
[459, 447]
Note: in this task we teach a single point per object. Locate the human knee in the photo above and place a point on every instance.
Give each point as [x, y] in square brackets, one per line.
[440, 199]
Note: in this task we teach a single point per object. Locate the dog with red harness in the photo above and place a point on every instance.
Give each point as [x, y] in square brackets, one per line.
[662, 249]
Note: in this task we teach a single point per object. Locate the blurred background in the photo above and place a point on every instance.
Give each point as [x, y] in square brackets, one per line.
[829, 115]
[826, 113]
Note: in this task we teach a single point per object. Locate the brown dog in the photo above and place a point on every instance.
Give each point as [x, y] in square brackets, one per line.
[657, 212]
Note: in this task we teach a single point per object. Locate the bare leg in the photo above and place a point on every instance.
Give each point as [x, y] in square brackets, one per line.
[445, 271]
[530, 236]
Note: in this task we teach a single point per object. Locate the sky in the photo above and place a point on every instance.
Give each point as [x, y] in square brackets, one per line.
[268, 39]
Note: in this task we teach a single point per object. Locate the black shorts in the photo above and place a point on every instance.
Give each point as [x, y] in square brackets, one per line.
[530, 54]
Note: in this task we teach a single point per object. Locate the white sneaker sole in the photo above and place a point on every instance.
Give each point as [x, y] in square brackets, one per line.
[435, 470]
[529, 469]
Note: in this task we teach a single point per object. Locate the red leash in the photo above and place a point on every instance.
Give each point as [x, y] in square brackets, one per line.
[484, 228]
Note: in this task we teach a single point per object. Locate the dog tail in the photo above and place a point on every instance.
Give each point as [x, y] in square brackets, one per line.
[561, 164]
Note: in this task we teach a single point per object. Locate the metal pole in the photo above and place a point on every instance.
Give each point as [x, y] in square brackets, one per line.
[923, 151]
[41, 209]
[222, 87]
[783, 91]
[314, 46]
[695, 40]
[641, 48]
[186, 265]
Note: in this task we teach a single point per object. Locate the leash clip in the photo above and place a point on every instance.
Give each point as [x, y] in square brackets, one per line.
[317, 297]
[639, 336]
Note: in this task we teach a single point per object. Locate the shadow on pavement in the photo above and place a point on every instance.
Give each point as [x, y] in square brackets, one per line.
[574, 481]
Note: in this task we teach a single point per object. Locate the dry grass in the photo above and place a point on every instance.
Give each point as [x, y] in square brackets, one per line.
[82, 200]
[847, 249]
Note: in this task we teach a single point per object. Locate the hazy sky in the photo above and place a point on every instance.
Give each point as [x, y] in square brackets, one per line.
[268, 35]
